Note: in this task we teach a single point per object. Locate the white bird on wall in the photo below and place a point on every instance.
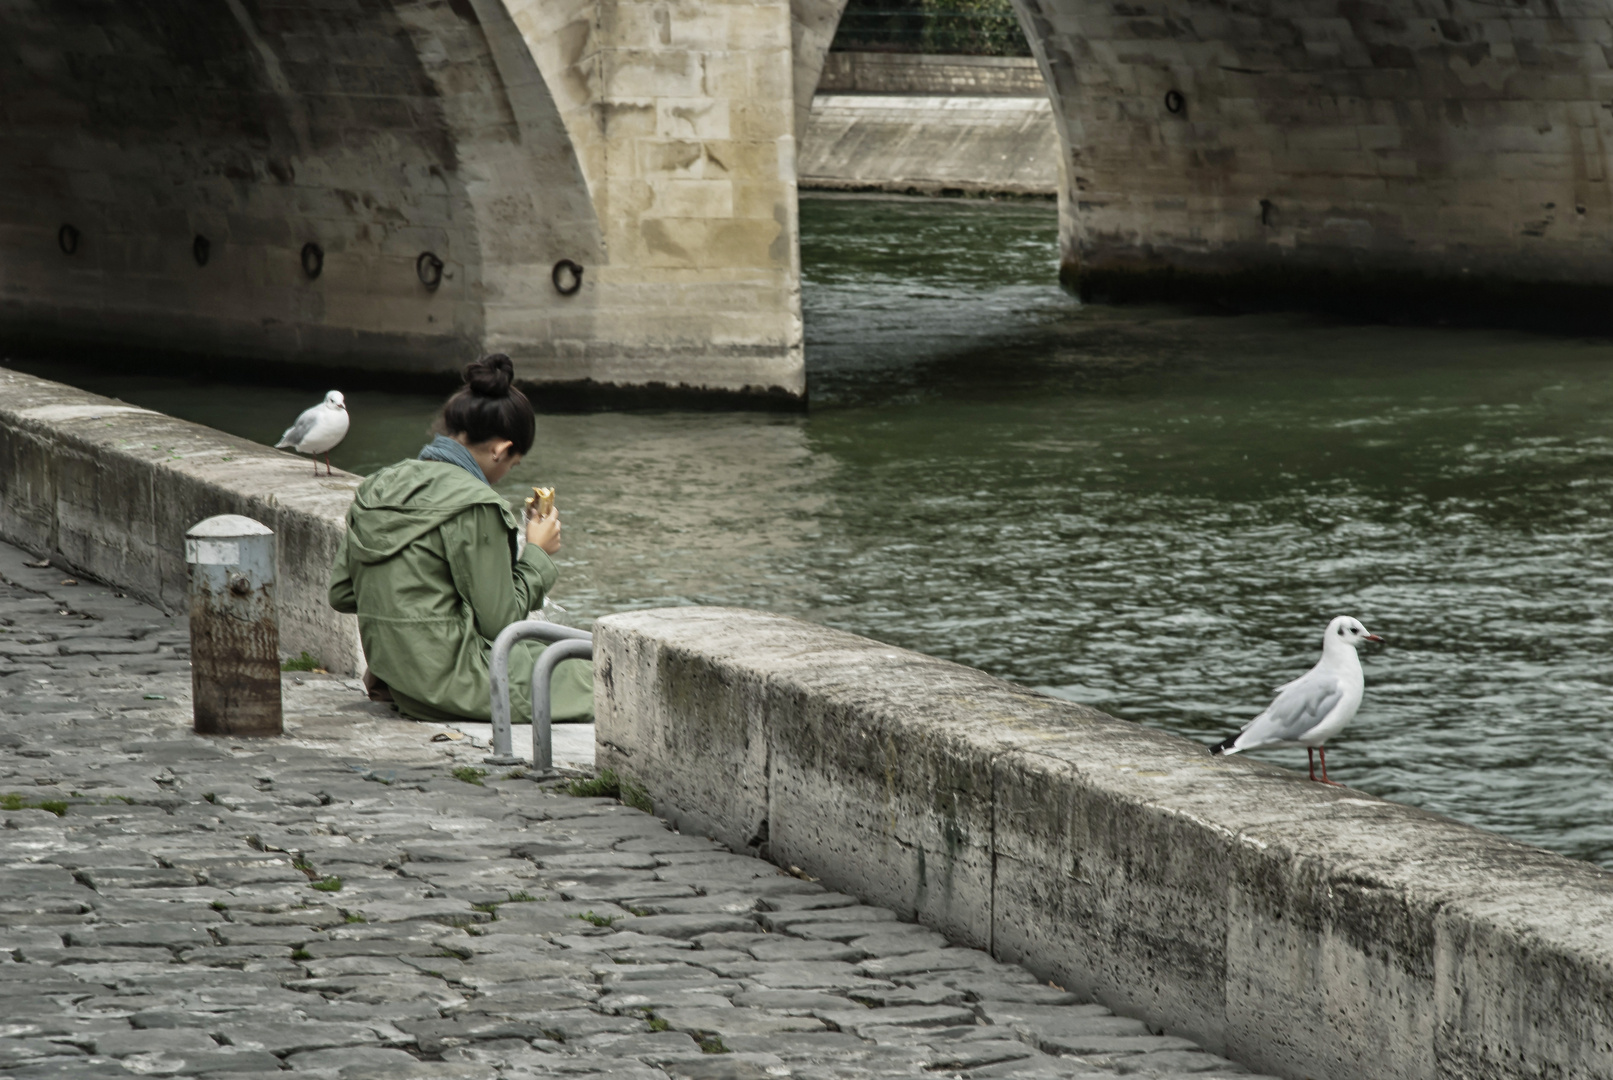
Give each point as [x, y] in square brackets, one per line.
[1317, 705]
[318, 430]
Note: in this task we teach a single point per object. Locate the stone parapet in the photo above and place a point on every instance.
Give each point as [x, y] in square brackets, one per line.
[917, 73]
[1305, 930]
[109, 489]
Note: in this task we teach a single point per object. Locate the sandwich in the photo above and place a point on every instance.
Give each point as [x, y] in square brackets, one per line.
[540, 502]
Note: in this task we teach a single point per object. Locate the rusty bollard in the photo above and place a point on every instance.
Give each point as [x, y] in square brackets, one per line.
[234, 628]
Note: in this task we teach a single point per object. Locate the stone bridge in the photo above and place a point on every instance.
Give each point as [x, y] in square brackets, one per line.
[605, 189]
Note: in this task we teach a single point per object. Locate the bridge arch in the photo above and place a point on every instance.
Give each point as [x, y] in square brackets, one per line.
[212, 158]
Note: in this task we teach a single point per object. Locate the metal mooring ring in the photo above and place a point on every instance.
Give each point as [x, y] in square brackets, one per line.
[67, 239]
[428, 268]
[561, 269]
[202, 249]
[313, 260]
[1175, 102]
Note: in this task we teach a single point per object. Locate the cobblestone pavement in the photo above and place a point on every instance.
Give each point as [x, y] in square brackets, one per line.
[338, 903]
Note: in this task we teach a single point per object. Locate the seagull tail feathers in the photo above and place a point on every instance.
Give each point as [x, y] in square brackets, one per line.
[1227, 745]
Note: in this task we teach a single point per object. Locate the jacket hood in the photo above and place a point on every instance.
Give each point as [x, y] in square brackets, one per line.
[404, 502]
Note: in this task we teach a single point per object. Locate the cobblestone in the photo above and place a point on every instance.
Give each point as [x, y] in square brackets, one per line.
[336, 904]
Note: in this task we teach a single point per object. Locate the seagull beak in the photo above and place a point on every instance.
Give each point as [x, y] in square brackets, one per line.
[1374, 637]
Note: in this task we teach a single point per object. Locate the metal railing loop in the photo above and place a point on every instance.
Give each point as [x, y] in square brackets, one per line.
[499, 678]
[542, 674]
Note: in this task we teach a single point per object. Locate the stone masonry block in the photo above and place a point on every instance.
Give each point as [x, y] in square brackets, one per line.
[693, 118]
[646, 73]
[691, 199]
[686, 158]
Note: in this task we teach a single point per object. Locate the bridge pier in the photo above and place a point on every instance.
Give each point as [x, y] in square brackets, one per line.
[1362, 157]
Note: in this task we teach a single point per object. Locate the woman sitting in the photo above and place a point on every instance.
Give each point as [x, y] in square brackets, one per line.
[430, 565]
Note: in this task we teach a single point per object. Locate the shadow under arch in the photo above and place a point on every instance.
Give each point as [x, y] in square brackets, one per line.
[377, 187]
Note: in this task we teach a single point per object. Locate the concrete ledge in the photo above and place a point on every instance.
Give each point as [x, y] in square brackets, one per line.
[109, 490]
[930, 145]
[1303, 930]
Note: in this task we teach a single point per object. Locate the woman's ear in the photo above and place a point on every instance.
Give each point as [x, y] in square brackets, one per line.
[501, 449]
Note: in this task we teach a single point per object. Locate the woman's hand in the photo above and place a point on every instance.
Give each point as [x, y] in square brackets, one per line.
[545, 531]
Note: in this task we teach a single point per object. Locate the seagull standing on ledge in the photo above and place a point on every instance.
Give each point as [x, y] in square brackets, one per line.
[1314, 707]
[318, 430]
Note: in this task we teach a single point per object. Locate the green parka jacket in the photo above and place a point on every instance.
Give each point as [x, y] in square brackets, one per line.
[429, 566]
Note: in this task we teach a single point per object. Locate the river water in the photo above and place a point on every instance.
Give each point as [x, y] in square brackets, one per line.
[1149, 509]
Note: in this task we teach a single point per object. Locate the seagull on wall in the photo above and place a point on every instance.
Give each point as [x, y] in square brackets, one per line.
[1317, 705]
[318, 430]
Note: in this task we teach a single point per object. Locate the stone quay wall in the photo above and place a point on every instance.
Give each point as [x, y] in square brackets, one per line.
[910, 144]
[927, 75]
[931, 125]
[1304, 930]
[109, 489]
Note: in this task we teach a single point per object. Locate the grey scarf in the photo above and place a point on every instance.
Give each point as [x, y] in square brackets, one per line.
[442, 448]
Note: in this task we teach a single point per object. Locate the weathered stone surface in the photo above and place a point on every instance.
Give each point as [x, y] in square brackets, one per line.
[988, 990]
[1097, 852]
[435, 1036]
[725, 1067]
[1048, 1019]
[108, 877]
[915, 143]
[283, 1038]
[905, 941]
[782, 948]
[653, 1047]
[733, 1021]
[920, 994]
[920, 1016]
[973, 1055]
[346, 1058]
[167, 1041]
[571, 1024]
[225, 1063]
[688, 926]
[597, 859]
[797, 919]
[631, 1000]
[1090, 1045]
[164, 935]
[792, 1002]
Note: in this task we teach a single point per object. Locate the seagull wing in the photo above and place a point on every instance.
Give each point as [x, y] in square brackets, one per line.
[299, 431]
[1291, 682]
[1303, 704]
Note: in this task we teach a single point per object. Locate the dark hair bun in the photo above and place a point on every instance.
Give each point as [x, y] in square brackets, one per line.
[489, 406]
[490, 376]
